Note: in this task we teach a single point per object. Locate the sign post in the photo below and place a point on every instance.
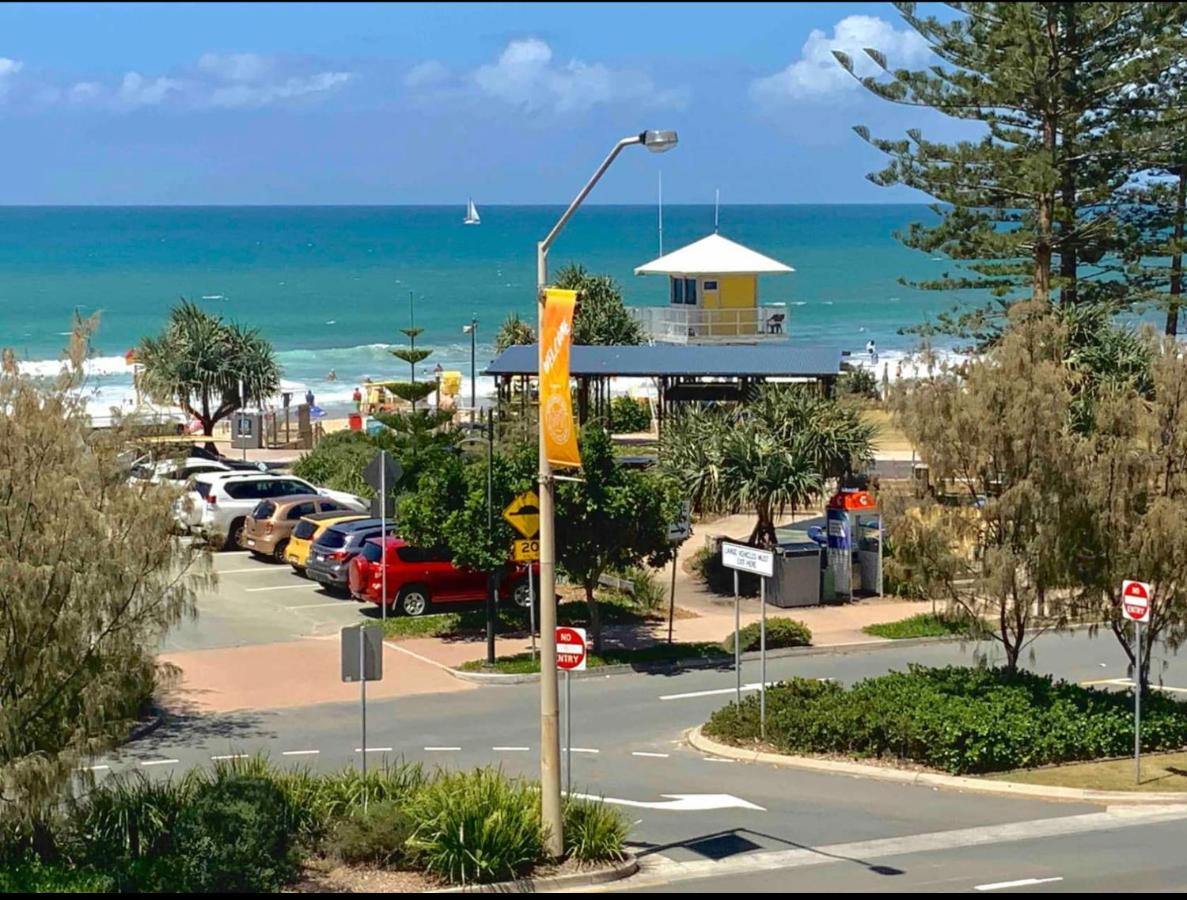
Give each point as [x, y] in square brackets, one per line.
[523, 514]
[1135, 604]
[362, 661]
[570, 657]
[744, 558]
[381, 470]
[678, 533]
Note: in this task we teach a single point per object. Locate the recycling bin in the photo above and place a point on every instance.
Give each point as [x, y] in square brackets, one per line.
[798, 578]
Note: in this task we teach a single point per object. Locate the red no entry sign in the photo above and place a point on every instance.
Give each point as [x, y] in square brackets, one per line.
[1135, 600]
[570, 648]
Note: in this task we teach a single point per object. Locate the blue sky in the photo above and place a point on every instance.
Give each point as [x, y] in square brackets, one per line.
[419, 103]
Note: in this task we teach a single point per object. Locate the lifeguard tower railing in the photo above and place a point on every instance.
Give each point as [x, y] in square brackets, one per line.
[692, 325]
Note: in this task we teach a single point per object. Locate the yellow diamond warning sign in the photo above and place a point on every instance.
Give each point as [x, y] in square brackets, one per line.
[524, 514]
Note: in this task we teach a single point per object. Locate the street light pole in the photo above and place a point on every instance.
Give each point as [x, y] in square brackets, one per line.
[472, 330]
[550, 773]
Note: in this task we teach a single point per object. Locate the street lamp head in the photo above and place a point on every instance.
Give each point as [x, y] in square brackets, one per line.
[658, 141]
[467, 329]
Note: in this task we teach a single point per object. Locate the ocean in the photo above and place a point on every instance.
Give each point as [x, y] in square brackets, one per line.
[330, 287]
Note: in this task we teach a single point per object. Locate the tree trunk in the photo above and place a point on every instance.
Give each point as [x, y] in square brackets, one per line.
[595, 616]
[1176, 280]
[1045, 200]
[1068, 262]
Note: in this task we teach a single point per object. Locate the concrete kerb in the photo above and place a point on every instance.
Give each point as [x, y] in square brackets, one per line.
[704, 744]
[615, 872]
[699, 663]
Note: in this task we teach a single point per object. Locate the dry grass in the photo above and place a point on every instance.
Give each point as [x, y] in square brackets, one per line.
[1160, 772]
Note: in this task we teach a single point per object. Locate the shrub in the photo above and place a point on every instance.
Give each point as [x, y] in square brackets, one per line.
[478, 826]
[338, 461]
[628, 415]
[781, 632]
[859, 382]
[594, 832]
[646, 589]
[378, 836]
[956, 719]
[928, 625]
[706, 563]
[319, 801]
[234, 835]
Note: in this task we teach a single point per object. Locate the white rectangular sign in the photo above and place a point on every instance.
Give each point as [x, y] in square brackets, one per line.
[748, 559]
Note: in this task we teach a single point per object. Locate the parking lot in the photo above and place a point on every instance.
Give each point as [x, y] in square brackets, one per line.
[268, 638]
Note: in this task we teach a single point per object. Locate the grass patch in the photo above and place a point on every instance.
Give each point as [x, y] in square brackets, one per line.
[1160, 772]
[926, 625]
[523, 664]
[615, 609]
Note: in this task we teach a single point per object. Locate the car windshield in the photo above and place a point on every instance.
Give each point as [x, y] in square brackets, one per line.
[331, 539]
[304, 530]
[264, 510]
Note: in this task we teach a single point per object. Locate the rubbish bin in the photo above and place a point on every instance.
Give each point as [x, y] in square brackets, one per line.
[356, 422]
[798, 574]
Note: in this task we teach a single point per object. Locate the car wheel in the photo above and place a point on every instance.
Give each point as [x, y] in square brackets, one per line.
[413, 601]
[278, 551]
[235, 535]
[521, 596]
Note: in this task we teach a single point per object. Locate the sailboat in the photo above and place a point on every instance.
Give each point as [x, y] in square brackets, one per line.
[471, 214]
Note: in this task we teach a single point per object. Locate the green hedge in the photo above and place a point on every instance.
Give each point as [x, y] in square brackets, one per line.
[628, 416]
[955, 719]
[927, 625]
[781, 632]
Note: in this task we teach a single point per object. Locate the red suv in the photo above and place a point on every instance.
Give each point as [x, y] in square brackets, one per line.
[417, 578]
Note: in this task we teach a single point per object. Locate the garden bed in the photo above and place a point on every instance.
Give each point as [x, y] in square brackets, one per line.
[956, 720]
[926, 625]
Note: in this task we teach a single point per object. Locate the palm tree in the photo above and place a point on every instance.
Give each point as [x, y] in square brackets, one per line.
[512, 332]
[198, 362]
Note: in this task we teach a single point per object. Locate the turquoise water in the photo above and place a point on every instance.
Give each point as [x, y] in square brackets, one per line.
[329, 286]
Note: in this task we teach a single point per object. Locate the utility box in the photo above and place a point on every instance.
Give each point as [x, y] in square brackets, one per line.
[799, 575]
[247, 430]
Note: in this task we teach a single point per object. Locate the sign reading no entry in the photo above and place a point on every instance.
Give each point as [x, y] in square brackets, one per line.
[570, 649]
[748, 559]
[1135, 600]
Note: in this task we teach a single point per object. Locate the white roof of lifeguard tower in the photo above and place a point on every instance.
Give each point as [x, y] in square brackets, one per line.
[713, 255]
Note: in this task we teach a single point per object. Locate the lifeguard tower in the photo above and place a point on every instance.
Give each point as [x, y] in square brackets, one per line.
[713, 296]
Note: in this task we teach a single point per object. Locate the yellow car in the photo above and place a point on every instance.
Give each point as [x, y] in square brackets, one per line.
[307, 531]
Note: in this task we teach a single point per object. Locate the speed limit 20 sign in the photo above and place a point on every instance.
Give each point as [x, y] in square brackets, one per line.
[1135, 600]
[570, 649]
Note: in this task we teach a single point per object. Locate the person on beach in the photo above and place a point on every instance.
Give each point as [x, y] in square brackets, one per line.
[357, 397]
[885, 381]
[331, 375]
[898, 371]
[872, 351]
[309, 397]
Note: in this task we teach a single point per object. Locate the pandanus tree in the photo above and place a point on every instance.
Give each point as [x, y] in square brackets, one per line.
[207, 367]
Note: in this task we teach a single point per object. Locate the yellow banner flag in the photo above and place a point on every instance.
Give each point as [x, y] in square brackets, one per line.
[556, 401]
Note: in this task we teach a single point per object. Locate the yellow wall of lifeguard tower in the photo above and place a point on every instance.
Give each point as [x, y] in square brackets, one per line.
[733, 292]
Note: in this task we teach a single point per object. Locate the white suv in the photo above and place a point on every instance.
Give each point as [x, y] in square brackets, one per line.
[218, 503]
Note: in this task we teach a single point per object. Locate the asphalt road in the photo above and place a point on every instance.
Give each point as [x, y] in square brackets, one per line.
[702, 824]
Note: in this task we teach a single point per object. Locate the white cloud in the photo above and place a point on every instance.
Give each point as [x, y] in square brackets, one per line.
[426, 73]
[817, 74]
[8, 68]
[234, 66]
[252, 96]
[136, 90]
[526, 75]
[84, 91]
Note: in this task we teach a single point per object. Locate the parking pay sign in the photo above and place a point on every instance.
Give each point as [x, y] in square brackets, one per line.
[1135, 600]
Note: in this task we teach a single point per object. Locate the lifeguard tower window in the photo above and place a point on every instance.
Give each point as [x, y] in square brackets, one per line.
[710, 285]
[684, 291]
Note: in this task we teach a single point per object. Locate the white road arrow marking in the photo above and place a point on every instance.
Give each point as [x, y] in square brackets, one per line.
[681, 802]
[1022, 882]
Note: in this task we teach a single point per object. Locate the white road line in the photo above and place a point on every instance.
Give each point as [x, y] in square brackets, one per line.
[303, 752]
[160, 762]
[649, 755]
[752, 686]
[282, 587]
[96, 768]
[1022, 882]
[341, 603]
[374, 750]
[584, 750]
[440, 749]
[1126, 682]
[716, 759]
[230, 756]
[511, 749]
[253, 570]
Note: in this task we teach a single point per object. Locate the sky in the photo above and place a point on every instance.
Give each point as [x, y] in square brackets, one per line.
[341, 103]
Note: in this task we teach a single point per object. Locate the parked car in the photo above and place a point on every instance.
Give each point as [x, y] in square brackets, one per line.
[418, 578]
[308, 530]
[330, 555]
[267, 530]
[174, 470]
[218, 504]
